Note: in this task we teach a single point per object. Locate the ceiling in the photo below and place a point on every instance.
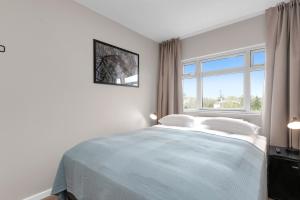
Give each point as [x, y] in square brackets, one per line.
[160, 20]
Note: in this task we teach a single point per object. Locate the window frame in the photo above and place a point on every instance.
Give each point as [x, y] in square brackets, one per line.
[246, 70]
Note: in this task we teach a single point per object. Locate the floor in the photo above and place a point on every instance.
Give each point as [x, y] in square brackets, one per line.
[51, 198]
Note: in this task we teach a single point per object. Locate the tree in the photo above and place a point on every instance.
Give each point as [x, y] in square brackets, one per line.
[256, 103]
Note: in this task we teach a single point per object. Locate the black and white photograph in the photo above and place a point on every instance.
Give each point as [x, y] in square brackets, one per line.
[115, 66]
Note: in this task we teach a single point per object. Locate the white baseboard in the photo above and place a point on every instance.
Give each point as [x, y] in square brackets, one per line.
[39, 196]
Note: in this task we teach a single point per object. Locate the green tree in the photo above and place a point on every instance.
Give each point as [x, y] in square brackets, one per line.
[209, 102]
[256, 104]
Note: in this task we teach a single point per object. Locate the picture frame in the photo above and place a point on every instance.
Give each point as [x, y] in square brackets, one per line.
[114, 65]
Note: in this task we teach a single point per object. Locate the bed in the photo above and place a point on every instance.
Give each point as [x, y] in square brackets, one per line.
[165, 163]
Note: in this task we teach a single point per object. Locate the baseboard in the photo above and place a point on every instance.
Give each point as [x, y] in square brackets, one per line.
[40, 195]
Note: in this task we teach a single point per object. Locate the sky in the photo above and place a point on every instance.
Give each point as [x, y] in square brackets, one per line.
[229, 84]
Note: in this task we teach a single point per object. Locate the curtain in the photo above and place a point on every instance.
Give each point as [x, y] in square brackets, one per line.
[282, 91]
[169, 100]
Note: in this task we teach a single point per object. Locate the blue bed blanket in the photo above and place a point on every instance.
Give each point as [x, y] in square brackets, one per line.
[163, 164]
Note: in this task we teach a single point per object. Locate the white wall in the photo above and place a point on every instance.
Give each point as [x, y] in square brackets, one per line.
[48, 101]
[241, 34]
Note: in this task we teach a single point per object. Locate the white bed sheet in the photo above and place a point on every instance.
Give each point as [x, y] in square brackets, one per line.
[257, 140]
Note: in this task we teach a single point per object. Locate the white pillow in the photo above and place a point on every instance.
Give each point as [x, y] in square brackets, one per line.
[230, 125]
[178, 120]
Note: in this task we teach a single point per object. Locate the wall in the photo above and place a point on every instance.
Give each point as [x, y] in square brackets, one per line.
[242, 34]
[48, 101]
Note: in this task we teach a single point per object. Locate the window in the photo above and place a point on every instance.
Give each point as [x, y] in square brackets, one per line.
[223, 91]
[234, 61]
[231, 81]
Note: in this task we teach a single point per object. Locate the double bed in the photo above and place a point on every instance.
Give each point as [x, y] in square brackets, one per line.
[165, 163]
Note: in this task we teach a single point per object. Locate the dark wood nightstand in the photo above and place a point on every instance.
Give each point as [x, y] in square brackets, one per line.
[283, 174]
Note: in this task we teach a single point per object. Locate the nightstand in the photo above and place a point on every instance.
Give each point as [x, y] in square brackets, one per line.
[283, 174]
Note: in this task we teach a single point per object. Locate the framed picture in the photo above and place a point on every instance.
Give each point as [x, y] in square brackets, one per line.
[115, 66]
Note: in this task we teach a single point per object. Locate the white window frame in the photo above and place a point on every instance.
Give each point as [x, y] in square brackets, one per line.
[247, 69]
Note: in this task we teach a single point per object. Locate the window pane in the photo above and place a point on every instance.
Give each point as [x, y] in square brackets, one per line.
[223, 91]
[224, 63]
[258, 57]
[257, 86]
[189, 93]
[189, 69]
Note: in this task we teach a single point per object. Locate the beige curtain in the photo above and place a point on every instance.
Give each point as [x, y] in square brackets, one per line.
[169, 99]
[282, 95]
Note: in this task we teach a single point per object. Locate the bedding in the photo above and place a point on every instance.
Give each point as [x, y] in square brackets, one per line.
[230, 125]
[163, 163]
[258, 141]
[178, 120]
